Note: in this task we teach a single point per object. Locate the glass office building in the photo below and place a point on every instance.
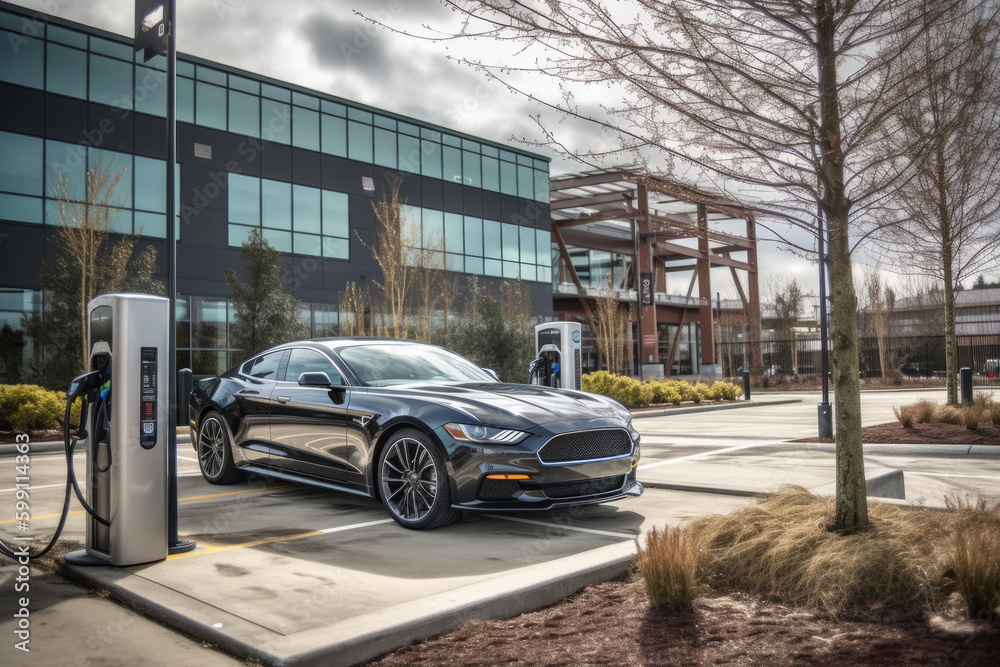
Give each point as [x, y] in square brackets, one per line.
[252, 152]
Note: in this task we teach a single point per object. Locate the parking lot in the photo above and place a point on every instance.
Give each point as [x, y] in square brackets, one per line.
[313, 576]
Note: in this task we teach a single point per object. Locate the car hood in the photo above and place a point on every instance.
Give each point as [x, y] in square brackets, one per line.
[517, 405]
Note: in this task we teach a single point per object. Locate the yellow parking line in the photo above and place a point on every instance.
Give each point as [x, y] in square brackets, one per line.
[234, 493]
[227, 547]
[284, 538]
[211, 495]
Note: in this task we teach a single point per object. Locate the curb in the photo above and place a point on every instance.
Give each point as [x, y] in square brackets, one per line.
[368, 636]
[661, 412]
[900, 448]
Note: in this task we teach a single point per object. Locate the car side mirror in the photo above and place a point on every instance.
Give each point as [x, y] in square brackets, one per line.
[492, 373]
[315, 379]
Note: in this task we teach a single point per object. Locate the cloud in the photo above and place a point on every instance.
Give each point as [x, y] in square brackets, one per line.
[352, 44]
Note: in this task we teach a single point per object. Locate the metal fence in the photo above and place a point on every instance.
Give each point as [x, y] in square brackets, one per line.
[908, 356]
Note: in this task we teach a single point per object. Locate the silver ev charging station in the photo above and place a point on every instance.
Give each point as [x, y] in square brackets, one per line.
[558, 355]
[126, 431]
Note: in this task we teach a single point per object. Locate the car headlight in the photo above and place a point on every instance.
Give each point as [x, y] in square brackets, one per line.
[484, 434]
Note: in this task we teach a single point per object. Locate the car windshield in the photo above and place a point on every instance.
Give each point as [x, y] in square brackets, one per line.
[380, 365]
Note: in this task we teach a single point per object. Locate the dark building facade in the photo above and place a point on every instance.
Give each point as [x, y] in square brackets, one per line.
[253, 152]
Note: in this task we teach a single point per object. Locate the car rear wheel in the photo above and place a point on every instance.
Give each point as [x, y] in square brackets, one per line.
[215, 454]
[413, 482]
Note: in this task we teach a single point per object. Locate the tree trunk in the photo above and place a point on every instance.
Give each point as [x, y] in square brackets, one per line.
[950, 341]
[852, 500]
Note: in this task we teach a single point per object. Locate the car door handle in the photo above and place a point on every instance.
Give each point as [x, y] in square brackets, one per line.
[283, 399]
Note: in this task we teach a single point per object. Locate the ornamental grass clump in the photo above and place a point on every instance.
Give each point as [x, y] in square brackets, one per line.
[779, 547]
[923, 411]
[972, 415]
[905, 415]
[976, 565]
[669, 567]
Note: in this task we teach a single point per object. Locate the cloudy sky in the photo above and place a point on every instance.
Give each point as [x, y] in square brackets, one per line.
[327, 46]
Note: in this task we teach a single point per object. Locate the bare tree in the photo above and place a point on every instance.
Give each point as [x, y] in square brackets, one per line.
[877, 303]
[944, 221]
[352, 311]
[784, 304]
[428, 287]
[787, 97]
[394, 240]
[612, 335]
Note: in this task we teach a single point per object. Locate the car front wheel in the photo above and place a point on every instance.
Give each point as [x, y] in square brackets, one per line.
[413, 482]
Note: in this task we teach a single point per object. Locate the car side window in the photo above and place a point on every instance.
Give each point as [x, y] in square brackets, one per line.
[265, 367]
[304, 360]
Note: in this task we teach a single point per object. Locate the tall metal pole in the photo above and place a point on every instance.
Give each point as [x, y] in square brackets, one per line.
[174, 543]
[823, 410]
[638, 295]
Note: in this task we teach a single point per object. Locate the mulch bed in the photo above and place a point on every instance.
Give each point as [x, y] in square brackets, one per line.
[924, 434]
[613, 624]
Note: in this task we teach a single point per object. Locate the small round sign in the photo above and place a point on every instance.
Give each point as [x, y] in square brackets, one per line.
[576, 336]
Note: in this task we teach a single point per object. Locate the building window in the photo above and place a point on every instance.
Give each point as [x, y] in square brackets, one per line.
[110, 81]
[211, 106]
[244, 199]
[276, 204]
[452, 164]
[21, 167]
[306, 208]
[150, 184]
[471, 169]
[244, 114]
[359, 142]
[21, 59]
[334, 135]
[66, 71]
[385, 148]
[305, 129]
[275, 121]
[336, 220]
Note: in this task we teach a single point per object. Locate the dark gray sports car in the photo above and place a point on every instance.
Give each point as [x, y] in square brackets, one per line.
[422, 429]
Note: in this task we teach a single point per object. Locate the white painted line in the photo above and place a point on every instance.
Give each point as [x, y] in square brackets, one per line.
[560, 526]
[187, 458]
[947, 474]
[356, 525]
[47, 486]
[702, 455]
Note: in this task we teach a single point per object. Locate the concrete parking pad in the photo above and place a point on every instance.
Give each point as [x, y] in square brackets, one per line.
[286, 573]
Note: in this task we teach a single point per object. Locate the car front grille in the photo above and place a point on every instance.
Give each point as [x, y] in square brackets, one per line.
[590, 487]
[586, 446]
[498, 489]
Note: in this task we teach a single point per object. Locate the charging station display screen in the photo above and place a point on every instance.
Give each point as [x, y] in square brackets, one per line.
[147, 398]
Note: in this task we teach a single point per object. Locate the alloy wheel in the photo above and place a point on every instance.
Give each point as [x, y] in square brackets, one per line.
[409, 479]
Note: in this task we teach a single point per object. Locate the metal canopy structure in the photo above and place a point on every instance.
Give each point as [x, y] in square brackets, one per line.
[668, 226]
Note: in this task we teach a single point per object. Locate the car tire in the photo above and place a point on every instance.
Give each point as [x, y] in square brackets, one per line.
[215, 453]
[413, 482]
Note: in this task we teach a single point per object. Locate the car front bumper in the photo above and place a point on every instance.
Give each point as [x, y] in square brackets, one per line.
[475, 468]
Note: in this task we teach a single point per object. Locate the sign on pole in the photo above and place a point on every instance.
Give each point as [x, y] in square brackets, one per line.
[646, 287]
[152, 27]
